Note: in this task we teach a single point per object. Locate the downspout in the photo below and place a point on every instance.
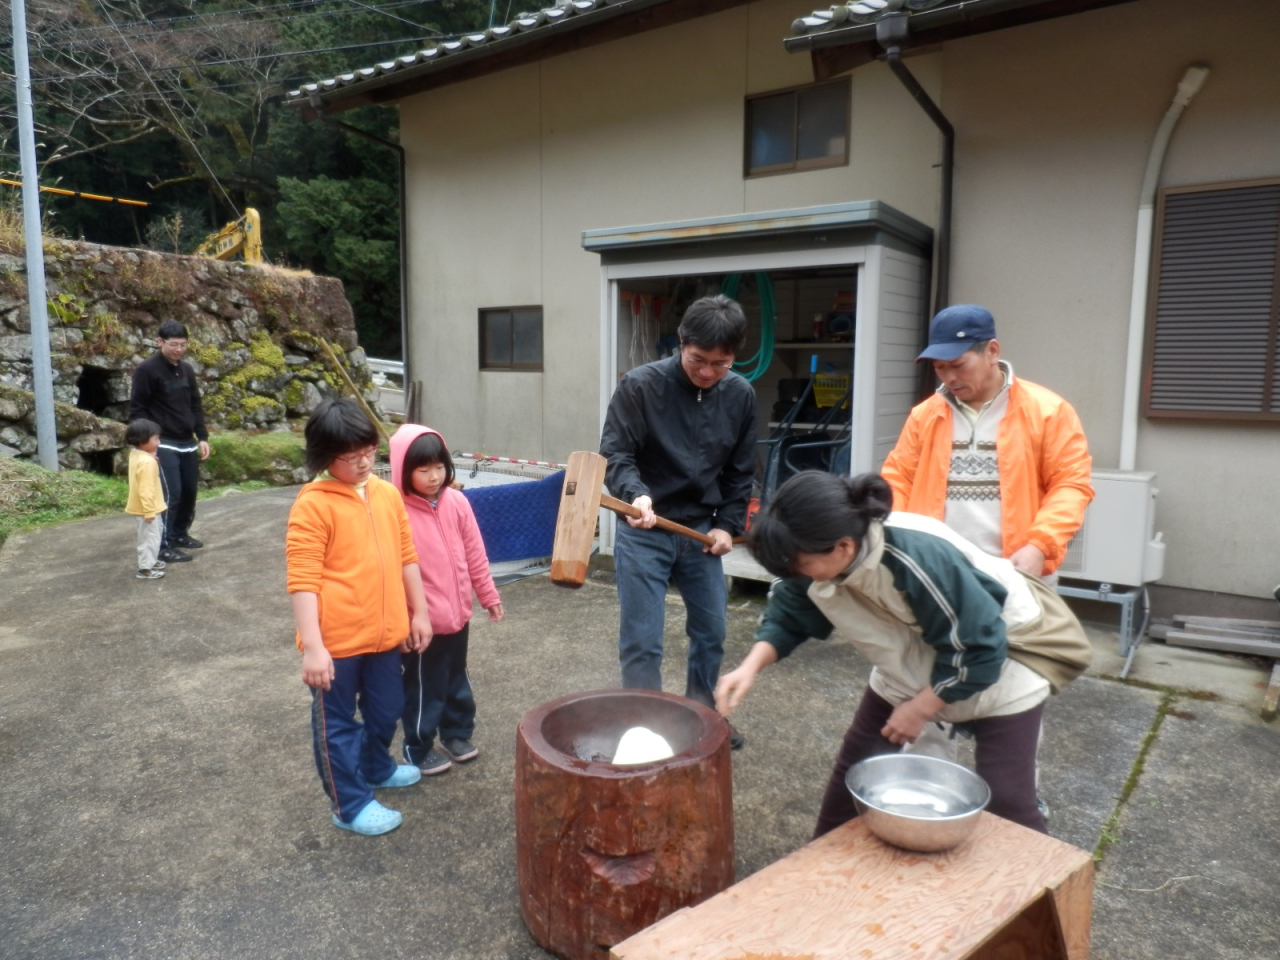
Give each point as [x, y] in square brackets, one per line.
[891, 33]
[1188, 87]
[318, 106]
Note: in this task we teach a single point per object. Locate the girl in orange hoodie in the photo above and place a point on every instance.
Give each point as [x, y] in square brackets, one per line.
[357, 597]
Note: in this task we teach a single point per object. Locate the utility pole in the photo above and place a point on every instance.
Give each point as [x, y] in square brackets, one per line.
[37, 305]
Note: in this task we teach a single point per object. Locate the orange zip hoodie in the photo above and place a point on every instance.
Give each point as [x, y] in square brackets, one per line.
[1044, 461]
[351, 553]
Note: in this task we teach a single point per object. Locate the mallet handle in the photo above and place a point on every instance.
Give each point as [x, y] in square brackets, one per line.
[627, 510]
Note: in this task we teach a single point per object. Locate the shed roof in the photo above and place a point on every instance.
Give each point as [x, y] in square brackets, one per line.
[875, 221]
[562, 26]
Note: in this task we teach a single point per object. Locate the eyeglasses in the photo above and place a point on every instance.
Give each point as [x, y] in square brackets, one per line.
[700, 363]
[369, 453]
[176, 344]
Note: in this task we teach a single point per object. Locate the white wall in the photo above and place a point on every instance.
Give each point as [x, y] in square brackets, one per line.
[505, 172]
[904, 298]
[1054, 122]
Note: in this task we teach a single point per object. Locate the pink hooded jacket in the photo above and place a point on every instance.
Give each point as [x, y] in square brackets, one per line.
[450, 552]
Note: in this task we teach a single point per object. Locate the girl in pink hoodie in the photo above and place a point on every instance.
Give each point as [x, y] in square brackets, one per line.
[438, 697]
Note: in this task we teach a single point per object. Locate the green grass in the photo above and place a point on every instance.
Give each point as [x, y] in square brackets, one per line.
[31, 496]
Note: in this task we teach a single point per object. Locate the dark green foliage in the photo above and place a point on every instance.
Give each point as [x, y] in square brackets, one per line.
[180, 104]
[349, 228]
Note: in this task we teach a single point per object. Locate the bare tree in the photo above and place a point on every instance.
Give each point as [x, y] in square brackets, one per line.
[106, 73]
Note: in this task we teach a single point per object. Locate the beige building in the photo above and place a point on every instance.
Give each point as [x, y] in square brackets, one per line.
[575, 177]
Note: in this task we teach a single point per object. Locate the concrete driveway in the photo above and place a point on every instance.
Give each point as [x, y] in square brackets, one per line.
[158, 797]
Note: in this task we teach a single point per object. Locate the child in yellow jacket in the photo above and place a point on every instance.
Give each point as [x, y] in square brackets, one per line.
[146, 496]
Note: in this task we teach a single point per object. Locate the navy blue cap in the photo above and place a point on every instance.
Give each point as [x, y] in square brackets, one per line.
[956, 329]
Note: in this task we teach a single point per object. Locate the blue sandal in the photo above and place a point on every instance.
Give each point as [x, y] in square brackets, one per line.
[372, 821]
[406, 775]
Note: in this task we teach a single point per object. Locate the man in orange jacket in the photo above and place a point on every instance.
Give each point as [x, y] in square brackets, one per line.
[1000, 460]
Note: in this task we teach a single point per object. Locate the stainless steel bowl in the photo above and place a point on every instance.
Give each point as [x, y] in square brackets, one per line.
[917, 802]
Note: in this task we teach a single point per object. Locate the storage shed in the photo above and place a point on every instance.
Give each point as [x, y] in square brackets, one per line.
[837, 292]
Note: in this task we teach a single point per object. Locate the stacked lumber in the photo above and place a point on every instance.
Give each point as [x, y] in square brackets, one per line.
[1255, 638]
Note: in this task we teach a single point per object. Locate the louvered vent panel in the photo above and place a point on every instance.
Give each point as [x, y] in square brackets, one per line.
[1215, 302]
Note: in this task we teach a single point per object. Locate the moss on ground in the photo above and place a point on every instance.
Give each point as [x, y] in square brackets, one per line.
[269, 455]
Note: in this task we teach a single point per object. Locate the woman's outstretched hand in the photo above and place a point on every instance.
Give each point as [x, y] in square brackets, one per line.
[734, 685]
[733, 688]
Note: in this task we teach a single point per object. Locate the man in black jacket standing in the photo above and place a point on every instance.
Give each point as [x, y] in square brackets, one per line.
[165, 390]
[680, 438]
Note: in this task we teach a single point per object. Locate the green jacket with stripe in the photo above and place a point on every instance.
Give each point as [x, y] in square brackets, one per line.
[916, 605]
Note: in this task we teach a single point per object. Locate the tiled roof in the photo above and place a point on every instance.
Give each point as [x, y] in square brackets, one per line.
[858, 12]
[564, 12]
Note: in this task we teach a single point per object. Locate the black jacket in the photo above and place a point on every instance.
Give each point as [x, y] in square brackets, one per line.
[170, 396]
[692, 451]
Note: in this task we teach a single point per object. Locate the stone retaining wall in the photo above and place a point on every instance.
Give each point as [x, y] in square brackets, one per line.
[254, 335]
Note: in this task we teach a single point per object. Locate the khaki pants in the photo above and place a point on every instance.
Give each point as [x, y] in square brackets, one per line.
[149, 537]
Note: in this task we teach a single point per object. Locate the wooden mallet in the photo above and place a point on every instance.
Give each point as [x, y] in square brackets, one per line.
[580, 502]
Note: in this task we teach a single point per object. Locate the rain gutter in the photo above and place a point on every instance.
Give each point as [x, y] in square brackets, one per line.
[961, 12]
[891, 33]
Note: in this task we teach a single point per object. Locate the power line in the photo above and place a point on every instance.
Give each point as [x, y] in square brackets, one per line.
[72, 33]
[218, 63]
[178, 123]
[145, 26]
[383, 11]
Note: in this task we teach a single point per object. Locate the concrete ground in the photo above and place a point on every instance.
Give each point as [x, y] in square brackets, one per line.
[159, 799]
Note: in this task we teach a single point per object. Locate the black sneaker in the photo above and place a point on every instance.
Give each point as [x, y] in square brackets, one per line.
[187, 543]
[174, 556]
[736, 739]
[433, 763]
[459, 750]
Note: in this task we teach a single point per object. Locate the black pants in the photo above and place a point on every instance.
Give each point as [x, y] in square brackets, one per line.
[181, 474]
[1004, 754]
[437, 695]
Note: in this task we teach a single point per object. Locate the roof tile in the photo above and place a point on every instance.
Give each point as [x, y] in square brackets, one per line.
[857, 12]
[522, 23]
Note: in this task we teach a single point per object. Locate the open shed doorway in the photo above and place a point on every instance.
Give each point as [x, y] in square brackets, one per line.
[802, 326]
[799, 322]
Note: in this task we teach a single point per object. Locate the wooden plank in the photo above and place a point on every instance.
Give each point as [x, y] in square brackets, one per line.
[849, 895]
[1228, 632]
[1257, 648]
[1228, 623]
[1271, 699]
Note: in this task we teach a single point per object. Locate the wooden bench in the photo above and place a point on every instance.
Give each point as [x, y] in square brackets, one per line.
[1007, 893]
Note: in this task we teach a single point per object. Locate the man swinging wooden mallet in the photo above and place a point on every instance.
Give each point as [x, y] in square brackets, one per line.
[680, 440]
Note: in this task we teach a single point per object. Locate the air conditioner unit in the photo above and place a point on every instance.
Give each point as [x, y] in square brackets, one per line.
[1117, 543]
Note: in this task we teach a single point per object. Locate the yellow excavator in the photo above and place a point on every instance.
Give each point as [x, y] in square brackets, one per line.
[241, 237]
